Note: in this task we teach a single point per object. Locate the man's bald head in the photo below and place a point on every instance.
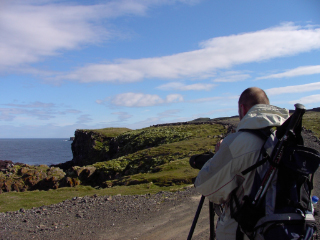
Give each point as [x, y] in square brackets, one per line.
[249, 98]
[252, 96]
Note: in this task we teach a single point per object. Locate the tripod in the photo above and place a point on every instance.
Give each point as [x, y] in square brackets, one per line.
[211, 217]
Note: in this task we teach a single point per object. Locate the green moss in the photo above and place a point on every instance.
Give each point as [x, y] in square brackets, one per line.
[311, 120]
[173, 173]
[150, 137]
[102, 146]
[112, 166]
[109, 132]
[163, 157]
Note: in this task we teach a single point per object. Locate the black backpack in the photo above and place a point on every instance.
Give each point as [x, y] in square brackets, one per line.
[279, 205]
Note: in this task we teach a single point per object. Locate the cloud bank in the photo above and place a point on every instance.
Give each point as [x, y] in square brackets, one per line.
[141, 100]
[33, 30]
[39, 110]
[182, 87]
[294, 89]
[307, 100]
[299, 71]
[216, 53]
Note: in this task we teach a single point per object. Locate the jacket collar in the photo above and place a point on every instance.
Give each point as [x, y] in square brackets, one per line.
[262, 115]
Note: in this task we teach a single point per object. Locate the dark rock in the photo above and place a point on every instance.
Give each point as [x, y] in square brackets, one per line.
[70, 182]
[5, 164]
[89, 147]
[64, 166]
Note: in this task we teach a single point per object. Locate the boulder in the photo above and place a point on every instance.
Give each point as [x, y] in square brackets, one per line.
[70, 182]
[49, 183]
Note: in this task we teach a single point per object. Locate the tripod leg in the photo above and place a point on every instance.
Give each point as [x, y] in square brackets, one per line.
[211, 215]
[196, 217]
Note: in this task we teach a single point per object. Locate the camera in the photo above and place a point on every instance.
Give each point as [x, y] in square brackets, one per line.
[197, 161]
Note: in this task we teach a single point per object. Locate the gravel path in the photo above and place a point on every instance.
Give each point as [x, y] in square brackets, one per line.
[164, 215]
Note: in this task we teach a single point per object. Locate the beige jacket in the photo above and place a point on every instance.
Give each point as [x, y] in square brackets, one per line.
[238, 151]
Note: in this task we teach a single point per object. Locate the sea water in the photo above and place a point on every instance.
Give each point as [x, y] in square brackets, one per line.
[36, 151]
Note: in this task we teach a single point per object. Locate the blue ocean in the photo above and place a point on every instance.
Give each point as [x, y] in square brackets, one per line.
[36, 151]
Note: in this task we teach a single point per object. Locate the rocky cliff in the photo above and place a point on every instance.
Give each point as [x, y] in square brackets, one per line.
[89, 147]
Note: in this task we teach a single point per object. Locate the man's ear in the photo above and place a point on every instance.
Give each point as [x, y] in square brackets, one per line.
[244, 109]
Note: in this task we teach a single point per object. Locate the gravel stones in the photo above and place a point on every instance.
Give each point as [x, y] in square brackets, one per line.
[81, 217]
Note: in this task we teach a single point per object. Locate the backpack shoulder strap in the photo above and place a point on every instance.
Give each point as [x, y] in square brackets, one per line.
[264, 134]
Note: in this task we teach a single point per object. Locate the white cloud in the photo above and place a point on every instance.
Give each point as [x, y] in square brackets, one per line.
[233, 78]
[182, 87]
[123, 116]
[220, 112]
[35, 104]
[294, 89]
[143, 100]
[169, 113]
[85, 118]
[37, 110]
[174, 98]
[210, 99]
[161, 117]
[136, 100]
[299, 71]
[32, 30]
[215, 99]
[216, 53]
[307, 100]
[46, 130]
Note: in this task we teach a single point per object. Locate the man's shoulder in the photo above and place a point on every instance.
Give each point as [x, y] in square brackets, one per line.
[263, 133]
[244, 141]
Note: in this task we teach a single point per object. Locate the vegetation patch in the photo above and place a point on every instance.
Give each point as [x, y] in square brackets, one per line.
[14, 201]
[122, 161]
[311, 121]
[133, 141]
[171, 153]
[108, 132]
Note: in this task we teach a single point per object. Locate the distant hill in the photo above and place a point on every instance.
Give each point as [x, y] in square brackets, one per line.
[315, 109]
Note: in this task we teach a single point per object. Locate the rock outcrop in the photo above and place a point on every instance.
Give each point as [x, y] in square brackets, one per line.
[24, 177]
[89, 147]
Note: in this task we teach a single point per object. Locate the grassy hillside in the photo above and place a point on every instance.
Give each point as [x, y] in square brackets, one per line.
[148, 160]
[159, 154]
[311, 120]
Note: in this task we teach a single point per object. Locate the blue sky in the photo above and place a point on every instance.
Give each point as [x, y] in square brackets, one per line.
[67, 65]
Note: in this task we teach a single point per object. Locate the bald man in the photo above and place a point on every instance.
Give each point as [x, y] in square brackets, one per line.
[222, 173]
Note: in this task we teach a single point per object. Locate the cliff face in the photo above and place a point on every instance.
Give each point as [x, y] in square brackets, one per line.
[90, 147]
